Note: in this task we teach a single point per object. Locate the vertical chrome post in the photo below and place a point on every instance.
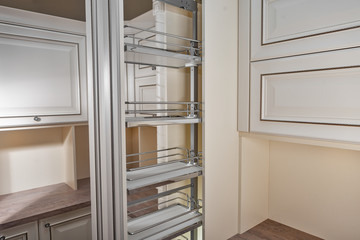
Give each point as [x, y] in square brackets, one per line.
[194, 141]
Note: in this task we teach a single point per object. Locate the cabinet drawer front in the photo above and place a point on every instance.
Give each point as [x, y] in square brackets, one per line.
[302, 26]
[27, 231]
[77, 229]
[42, 73]
[70, 225]
[310, 96]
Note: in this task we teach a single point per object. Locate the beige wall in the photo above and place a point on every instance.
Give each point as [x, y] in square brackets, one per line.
[32, 158]
[310, 187]
[315, 189]
[221, 138]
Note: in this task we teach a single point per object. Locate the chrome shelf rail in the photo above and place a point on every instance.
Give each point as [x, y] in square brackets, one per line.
[172, 220]
[175, 166]
[162, 113]
[175, 52]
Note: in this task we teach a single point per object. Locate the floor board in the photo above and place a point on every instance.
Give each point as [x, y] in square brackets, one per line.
[271, 230]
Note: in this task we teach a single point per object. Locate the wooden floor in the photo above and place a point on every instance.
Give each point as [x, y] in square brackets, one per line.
[271, 230]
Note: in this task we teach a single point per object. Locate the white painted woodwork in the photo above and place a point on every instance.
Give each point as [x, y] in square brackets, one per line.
[329, 96]
[292, 96]
[253, 182]
[70, 157]
[243, 66]
[291, 27]
[221, 140]
[35, 158]
[72, 225]
[82, 152]
[145, 21]
[146, 91]
[27, 231]
[42, 75]
[41, 21]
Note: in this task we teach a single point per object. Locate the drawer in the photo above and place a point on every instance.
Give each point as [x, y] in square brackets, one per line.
[27, 231]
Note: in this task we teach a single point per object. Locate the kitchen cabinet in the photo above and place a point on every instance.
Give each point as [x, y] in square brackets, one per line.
[43, 71]
[307, 96]
[300, 77]
[27, 231]
[284, 28]
[72, 225]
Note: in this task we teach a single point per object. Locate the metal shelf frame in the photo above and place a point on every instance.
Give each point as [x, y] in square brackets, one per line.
[138, 114]
[176, 217]
[177, 165]
[173, 164]
[171, 53]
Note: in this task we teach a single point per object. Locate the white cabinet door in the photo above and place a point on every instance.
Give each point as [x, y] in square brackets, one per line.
[316, 95]
[73, 225]
[27, 231]
[292, 27]
[42, 77]
[145, 90]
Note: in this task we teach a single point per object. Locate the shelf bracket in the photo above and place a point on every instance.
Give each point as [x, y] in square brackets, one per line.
[189, 5]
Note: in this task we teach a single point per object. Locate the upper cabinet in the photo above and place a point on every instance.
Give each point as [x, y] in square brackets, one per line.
[299, 71]
[42, 69]
[314, 95]
[294, 27]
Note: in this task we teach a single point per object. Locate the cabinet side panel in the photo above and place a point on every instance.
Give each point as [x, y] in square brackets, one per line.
[244, 68]
[221, 136]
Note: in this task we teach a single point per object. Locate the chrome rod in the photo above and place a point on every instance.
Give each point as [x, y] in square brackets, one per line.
[188, 160]
[156, 158]
[159, 195]
[164, 221]
[154, 102]
[162, 230]
[157, 174]
[49, 225]
[161, 42]
[157, 205]
[157, 151]
[162, 33]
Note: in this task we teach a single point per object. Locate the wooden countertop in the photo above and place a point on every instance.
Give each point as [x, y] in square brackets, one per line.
[32, 205]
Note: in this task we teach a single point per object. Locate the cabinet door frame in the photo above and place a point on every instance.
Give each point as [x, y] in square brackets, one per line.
[321, 62]
[35, 29]
[328, 38]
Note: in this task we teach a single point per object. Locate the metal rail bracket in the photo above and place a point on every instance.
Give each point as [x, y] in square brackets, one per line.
[189, 5]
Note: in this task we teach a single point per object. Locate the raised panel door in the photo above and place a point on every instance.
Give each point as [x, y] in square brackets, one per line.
[293, 27]
[27, 231]
[42, 77]
[313, 96]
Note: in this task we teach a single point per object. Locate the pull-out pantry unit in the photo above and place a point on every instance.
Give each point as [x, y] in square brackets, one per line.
[162, 183]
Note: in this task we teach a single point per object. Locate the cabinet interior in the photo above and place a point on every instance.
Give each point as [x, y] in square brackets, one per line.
[32, 158]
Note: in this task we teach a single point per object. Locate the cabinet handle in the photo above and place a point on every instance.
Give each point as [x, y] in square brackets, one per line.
[36, 119]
